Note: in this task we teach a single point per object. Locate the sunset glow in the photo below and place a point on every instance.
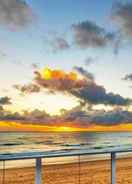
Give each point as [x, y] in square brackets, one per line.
[64, 76]
[50, 74]
[15, 126]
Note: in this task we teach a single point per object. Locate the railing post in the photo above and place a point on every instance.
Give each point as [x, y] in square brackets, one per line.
[113, 168]
[3, 179]
[38, 177]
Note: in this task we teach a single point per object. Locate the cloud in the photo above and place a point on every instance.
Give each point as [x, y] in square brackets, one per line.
[76, 117]
[60, 43]
[27, 89]
[128, 77]
[89, 60]
[117, 44]
[5, 101]
[9, 116]
[34, 116]
[35, 66]
[80, 84]
[83, 87]
[84, 118]
[122, 16]
[112, 117]
[88, 34]
[96, 94]
[15, 14]
[84, 73]
[58, 80]
[1, 108]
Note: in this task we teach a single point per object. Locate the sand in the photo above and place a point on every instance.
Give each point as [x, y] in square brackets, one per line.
[91, 172]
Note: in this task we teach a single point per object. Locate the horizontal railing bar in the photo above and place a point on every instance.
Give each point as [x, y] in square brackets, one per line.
[34, 155]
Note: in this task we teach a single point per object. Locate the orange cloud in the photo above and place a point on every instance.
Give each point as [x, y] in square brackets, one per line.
[59, 80]
[49, 74]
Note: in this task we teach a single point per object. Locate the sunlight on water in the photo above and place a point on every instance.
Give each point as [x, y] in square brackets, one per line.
[24, 142]
[58, 142]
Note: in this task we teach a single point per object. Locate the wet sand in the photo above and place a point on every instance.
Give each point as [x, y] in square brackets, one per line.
[91, 172]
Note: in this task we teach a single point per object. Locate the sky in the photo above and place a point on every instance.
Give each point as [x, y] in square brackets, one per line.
[65, 64]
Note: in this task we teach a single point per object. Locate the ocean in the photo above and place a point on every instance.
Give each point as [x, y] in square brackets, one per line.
[11, 142]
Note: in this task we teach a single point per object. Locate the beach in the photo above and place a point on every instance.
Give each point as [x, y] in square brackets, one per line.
[90, 172]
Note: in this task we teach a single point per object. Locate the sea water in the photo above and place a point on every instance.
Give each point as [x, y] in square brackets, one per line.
[12, 142]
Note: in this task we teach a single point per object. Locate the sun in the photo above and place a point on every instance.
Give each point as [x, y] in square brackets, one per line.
[46, 74]
[65, 129]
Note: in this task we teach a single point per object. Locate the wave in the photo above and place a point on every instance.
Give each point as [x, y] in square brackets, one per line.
[11, 144]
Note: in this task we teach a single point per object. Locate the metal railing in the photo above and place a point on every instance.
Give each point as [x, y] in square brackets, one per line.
[39, 155]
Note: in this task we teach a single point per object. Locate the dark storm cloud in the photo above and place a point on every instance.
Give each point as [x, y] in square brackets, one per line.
[27, 89]
[5, 101]
[89, 34]
[122, 15]
[15, 13]
[95, 94]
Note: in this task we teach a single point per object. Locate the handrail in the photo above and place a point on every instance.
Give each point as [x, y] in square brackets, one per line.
[39, 155]
[51, 154]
